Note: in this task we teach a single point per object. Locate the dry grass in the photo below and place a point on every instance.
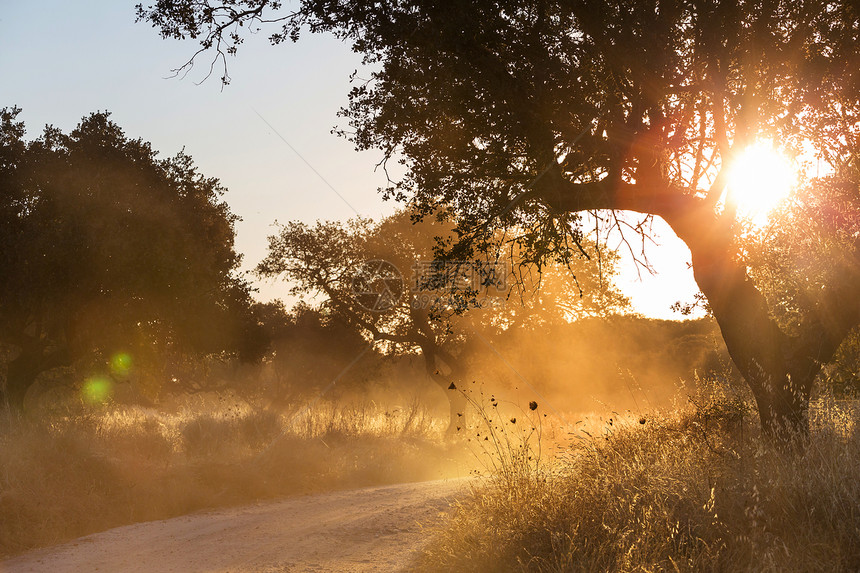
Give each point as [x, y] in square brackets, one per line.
[71, 474]
[694, 490]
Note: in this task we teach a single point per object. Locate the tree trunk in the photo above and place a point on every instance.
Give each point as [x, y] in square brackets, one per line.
[760, 351]
[448, 384]
[456, 408]
[779, 374]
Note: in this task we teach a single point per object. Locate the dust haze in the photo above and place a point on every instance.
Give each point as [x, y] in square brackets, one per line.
[322, 411]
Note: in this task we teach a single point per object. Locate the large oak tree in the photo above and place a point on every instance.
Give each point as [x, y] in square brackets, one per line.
[526, 114]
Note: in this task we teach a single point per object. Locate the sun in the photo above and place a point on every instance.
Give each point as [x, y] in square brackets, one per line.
[759, 179]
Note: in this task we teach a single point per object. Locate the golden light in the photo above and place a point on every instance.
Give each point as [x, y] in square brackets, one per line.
[759, 179]
[97, 390]
[120, 363]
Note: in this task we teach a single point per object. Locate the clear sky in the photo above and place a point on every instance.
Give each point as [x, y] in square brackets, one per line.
[266, 136]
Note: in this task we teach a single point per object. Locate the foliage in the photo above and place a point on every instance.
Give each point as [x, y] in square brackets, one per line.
[482, 96]
[802, 259]
[105, 248]
[524, 116]
[327, 259]
[843, 375]
[313, 349]
[806, 251]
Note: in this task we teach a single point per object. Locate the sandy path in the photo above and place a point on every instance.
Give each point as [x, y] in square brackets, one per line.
[372, 529]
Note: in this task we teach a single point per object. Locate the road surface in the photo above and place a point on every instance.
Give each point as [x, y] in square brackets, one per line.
[371, 529]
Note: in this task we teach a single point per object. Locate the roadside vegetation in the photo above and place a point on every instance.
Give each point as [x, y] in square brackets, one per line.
[89, 453]
[690, 489]
[84, 470]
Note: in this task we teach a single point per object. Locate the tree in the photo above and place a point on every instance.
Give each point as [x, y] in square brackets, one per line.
[313, 349]
[106, 248]
[356, 268]
[801, 254]
[382, 280]
[558, 293]
[529, 114]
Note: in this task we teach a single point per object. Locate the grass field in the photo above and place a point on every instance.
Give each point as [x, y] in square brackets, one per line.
[73, 473]
[695, 489]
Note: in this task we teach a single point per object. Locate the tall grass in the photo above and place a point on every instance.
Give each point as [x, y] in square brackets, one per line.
[73, 473]
[691, 490]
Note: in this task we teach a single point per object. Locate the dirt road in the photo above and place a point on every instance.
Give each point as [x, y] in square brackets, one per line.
[373, 529]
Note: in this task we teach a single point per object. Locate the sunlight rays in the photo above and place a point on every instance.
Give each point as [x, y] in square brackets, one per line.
[760, 178]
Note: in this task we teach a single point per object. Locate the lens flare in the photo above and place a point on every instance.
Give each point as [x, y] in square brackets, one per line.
[97, 390]
[120, 363]
[759, 179]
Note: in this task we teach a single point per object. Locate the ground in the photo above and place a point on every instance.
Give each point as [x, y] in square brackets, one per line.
[370, 529]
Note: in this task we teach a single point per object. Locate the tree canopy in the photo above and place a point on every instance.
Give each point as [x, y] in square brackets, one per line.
[107, 248]
[528, 114]
[382, 280]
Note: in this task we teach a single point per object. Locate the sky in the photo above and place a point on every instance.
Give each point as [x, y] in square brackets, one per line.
[267, 136]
